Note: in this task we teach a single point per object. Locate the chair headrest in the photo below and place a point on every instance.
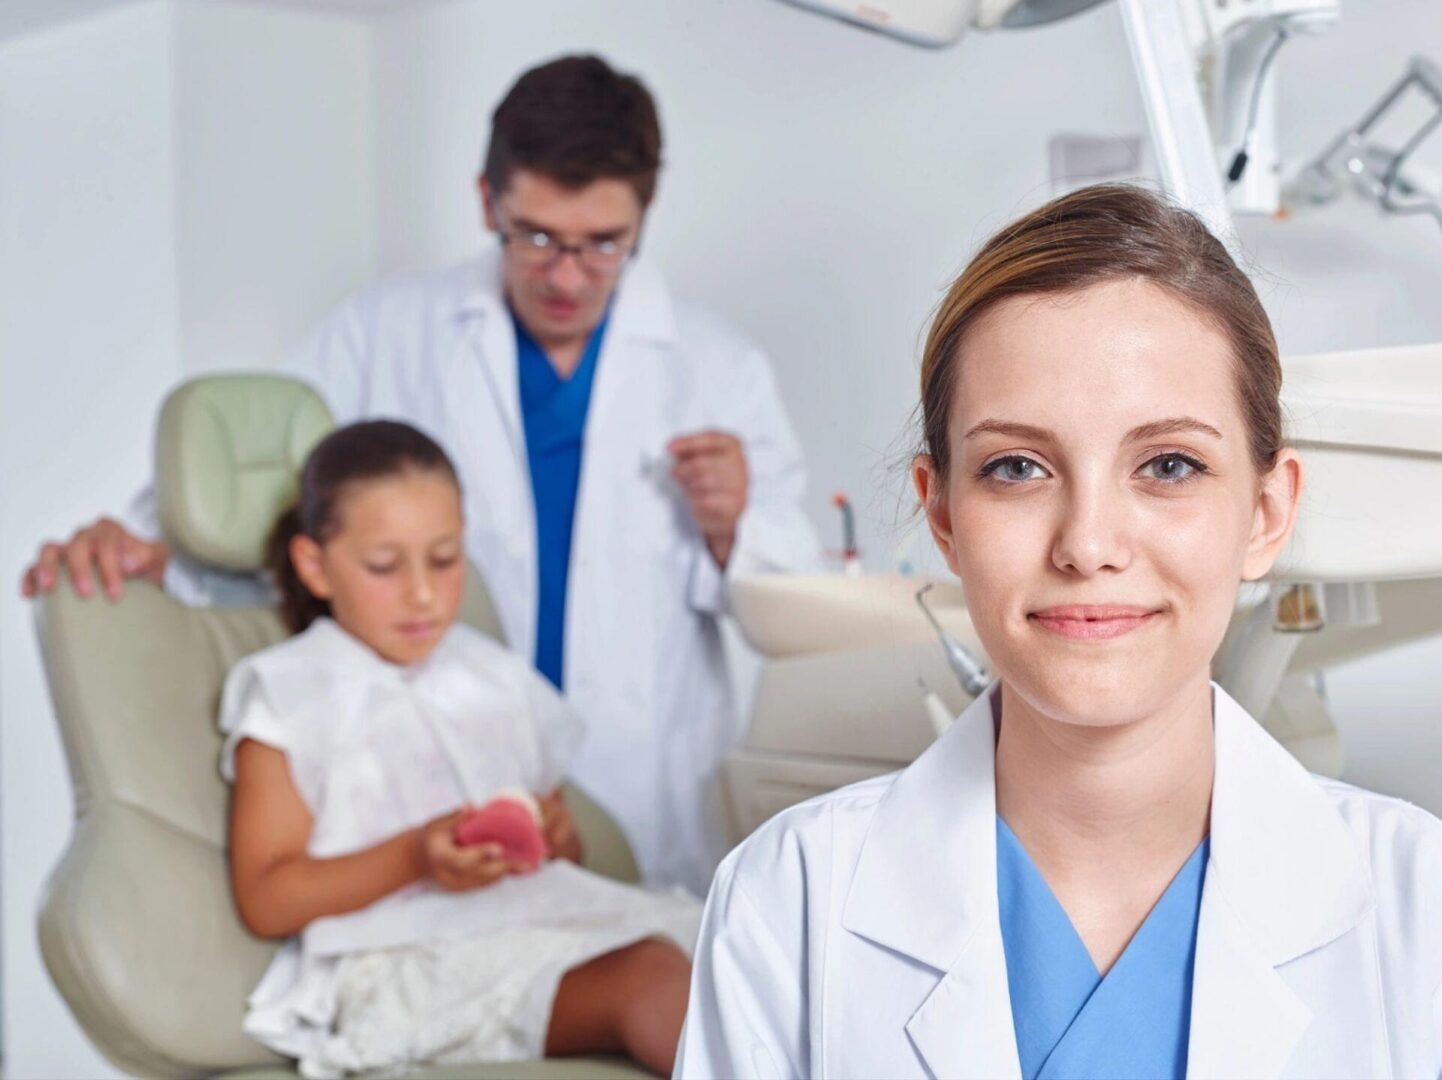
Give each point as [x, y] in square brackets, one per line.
[228, 454]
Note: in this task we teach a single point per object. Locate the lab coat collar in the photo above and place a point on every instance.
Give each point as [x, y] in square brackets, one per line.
[930, 851]
[641, 313]
[641, 309]
[925, 886]
[1281, 853]
[1284, 878]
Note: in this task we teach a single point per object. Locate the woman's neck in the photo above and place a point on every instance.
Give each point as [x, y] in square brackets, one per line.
[1087, 800]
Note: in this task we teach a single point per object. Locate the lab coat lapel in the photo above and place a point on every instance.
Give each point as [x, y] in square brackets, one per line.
[624, 431]
[925, 886]
[1284, 879]
[626, 393]
[964, 1028]
[482, 403]
[1246, 1021]
[488, 322]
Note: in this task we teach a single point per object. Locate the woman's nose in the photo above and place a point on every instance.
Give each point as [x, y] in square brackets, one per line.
[1093, 534]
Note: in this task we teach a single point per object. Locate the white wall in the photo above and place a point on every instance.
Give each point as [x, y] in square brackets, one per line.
[88, 315]
[276, 175]
[187, 186]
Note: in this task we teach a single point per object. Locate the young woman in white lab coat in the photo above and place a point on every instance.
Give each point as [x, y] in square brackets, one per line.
[1105, 867]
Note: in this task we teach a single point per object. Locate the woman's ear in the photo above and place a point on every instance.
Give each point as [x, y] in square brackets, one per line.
[1278, 498]
[931, 493]
[309, 563]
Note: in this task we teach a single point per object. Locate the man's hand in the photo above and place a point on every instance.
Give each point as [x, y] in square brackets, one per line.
[559, 827]
[105, 547]
[456, 868]
[710, 466]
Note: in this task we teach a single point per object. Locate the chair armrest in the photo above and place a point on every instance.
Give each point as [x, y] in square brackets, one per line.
[604, 847]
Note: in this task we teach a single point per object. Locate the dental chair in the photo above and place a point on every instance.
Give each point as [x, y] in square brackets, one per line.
[137, 926]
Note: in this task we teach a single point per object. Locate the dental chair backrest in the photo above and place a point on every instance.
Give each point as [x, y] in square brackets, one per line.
[137, 926]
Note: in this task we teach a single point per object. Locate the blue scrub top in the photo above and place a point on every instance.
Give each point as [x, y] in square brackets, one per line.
[553, 411]
[1069, 1020]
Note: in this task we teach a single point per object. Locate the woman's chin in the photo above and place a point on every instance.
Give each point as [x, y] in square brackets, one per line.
[1093, 692]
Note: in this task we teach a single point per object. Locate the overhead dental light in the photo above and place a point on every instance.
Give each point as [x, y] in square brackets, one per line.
[1205, 70]
[937, 23]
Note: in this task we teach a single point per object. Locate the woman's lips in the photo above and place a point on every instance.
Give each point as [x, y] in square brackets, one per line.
[418, 629]
[1092, 622]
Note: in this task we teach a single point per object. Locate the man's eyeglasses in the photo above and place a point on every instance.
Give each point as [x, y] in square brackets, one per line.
[540, 250]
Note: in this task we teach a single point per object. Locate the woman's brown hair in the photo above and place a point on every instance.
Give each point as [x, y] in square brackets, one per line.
[1108, 232]
[356, 453]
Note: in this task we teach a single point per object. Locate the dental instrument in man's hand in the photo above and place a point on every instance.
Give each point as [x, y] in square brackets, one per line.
[969, 672]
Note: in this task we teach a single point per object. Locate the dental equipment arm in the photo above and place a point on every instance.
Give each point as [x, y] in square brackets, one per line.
[1376, 171]
[974, 678]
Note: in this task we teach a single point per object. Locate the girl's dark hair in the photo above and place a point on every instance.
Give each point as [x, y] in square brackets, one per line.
[354, 454]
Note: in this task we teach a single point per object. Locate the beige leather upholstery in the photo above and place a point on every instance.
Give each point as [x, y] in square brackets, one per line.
[137, 925]
[228, 450]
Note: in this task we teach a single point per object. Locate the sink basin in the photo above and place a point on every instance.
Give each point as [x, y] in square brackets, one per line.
[1369, 427]
[804, 614]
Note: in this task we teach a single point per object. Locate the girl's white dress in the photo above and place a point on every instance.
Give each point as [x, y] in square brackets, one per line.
[374, 748]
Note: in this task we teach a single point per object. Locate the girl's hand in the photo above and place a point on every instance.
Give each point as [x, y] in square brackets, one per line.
[456, 868]
[559, 827]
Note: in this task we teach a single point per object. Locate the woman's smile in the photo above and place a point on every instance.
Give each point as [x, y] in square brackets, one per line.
[1093, 622]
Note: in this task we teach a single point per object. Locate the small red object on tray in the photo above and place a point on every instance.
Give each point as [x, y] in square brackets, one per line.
[513, 821]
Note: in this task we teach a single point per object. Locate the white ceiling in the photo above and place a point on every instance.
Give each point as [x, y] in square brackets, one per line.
[22, 16]
[354, 7]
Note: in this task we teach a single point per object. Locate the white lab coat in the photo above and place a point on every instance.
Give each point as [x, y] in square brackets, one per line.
[858, 935]
[644, 664]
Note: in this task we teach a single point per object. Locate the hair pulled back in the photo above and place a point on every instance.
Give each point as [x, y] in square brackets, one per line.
[354, 454]
[1104, 233]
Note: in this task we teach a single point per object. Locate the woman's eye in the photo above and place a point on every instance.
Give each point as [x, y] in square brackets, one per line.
[1173, 468]
[445, 563]
[388, 568]
[1013, 469]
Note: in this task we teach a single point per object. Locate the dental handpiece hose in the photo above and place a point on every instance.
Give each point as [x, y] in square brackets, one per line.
[973, 677]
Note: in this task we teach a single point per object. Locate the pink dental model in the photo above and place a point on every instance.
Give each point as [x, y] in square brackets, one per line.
[511, 819]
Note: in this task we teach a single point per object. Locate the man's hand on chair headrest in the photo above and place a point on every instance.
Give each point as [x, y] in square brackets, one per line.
[105, 547]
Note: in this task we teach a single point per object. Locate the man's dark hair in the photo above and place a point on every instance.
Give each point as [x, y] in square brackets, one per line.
[575, 120]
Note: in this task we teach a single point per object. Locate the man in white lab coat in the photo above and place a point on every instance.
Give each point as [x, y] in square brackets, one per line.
[610, 566]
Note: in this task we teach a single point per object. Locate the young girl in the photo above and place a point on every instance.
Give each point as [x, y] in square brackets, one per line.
[356, 749]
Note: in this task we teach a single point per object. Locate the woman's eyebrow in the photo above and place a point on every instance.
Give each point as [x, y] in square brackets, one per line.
[1175, 425]
[1008, 427]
